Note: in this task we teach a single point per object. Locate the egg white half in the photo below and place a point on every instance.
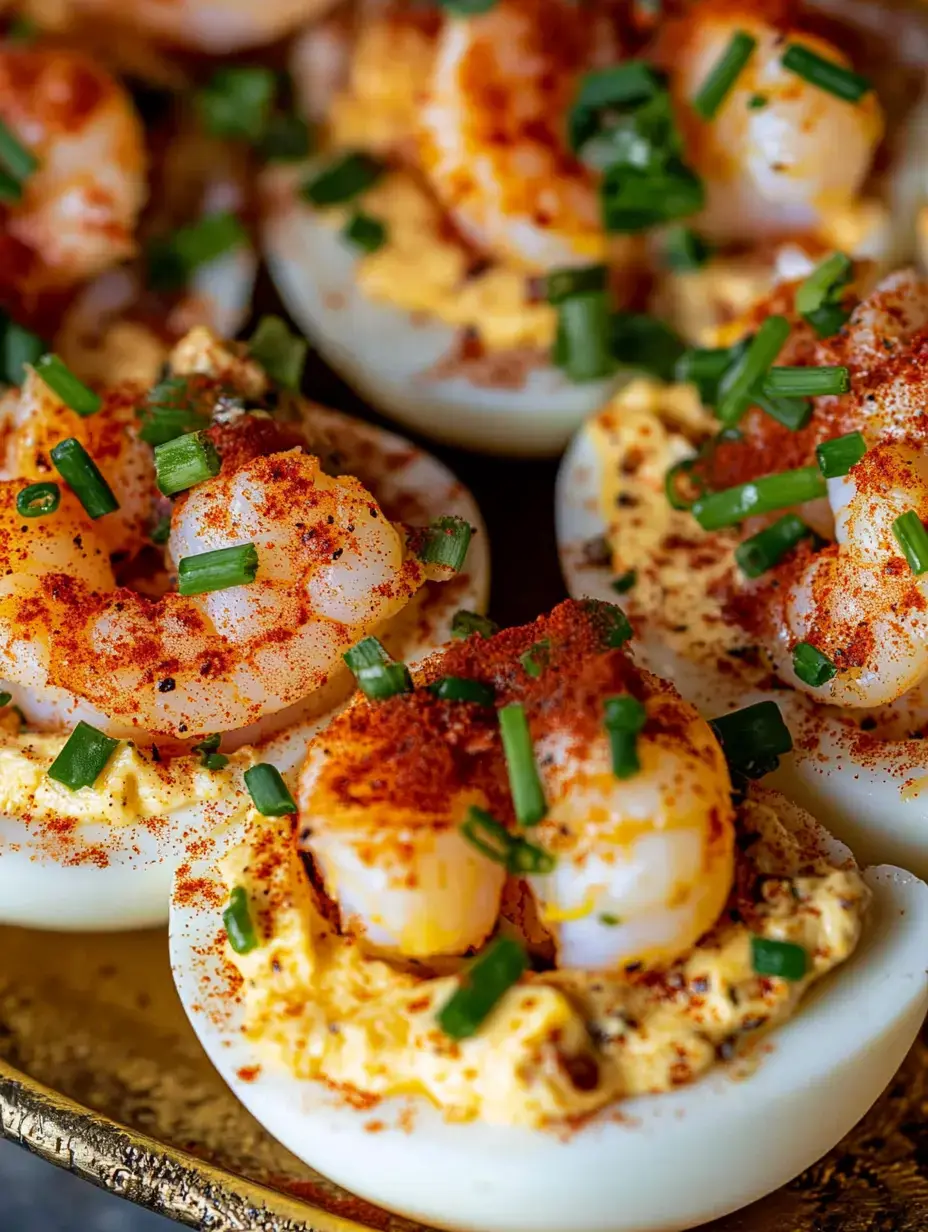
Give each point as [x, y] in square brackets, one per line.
[878, 804]
[101, 877]
[667, 1162]
[386, 353]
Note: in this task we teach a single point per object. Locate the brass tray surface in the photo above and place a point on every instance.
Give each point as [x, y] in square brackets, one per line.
[100, 1072]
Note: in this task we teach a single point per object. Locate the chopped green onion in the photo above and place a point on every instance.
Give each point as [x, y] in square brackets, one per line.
[367, 653]
[685, 250]
[811, 666]
[837, 456]
[218, 570]
[643, 342]
[611, 623]
[280, 353]
[365, 231]
[634, 201]
[172, 259]
[464, 623]
[236, 101]
[827, 320]
[377, 675]
[807, 382]
[83, 758]
[210, 757]
[160, 531]
[82, 475]
[784, 959]
[910, 534]
[705, 367]
[536, 658]
[723, 75]
[753, 739]
[238, 924]
[445, 542]
[750, 368]
[792, 413]
[757, 101]
[527, 792]
[483, 983]
[345, 178]
[624, 582]
[461, 689]
[168, 412]
[618, 86]
[18, 161]
[5, 698]
[583, 348]
[768, 547]
[38, 499]
[466, 8]
[766, 495]
[675, 497]
[286, 138]
[185, 461]
[62, 381]
[269, 793]
[827, 279]
[561, 284]
[625, 716]
[18, 347]
[834, 78]
[490, 836]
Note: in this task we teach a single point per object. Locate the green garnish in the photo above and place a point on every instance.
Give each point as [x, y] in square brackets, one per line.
[723, 75]
[173, 259]
[766, 495]
[807, 382]
[490, 836]
[185, 461]
[528, 795]
[365, 232]
[624, 582]
[342, 180]
[83, 758]
[82, 475]
[811, 666]
[378, 676]
[685, 250]
[536, 658]
[837, 456]
[768, 547]
[218, 570]
[62, 381]
[269, 793]
[445, 542]
[749, 369]
[753, 739]
[281, 353]
[38, 499]
[910, 534]
[483, 983]
[464, 623]
[236, 101]
[834, 78]
[462, 689]
[210, 757]
[818, 299]
[783, 959]
[238, 924]
[625, 716]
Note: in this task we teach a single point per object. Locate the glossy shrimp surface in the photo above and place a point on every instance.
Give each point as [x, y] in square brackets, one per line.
[780, 153]
[494, 141]
[620, 869]
[80, 205]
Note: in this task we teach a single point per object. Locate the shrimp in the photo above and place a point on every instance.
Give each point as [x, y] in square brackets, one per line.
[493, 143]
[621, 870]
[80, 205]
[780, 154]
[330, 566]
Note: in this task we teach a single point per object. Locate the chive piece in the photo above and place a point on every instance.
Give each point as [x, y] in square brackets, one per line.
[490, 836]
[5, 698]
[168, 412]
[15, 157]
[799, 382]
[818, 299]
[827, 320]
[912, 537]
[280, 353]
[367, 653]
[466, 8]
[624, 582]
[445, 542]
[185, 461]
[160, 531]
[218, 570]
[837, 456]
[377, 675]
[753, 739]
[83, 758]
[82, 475]
[62, 381]
[747, 371]
[561, 284]
[630, 84]
[704, 367]
[19, 347]
[527, 792]
[365, 232]
[173, 259]
[269, 793]
[483, 983]
[757, 101]
[210, 757]
[286, 139]
[236, 101]
[645, 343]
[792, 413]
[723, 75]
[584, 350]
[784, 959]
[345, 178]
[843, 82]
[684, 250]
[634, 201]
[811, 666]
[625, 716]
[536, 658]
[675, 497]
[38, 499]
[611, 623]
[768, 547]
[238, 924]
[464, 623]
[462, 689]
[766, 495]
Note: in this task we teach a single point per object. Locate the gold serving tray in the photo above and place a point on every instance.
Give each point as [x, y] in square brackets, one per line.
[100, 1072]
